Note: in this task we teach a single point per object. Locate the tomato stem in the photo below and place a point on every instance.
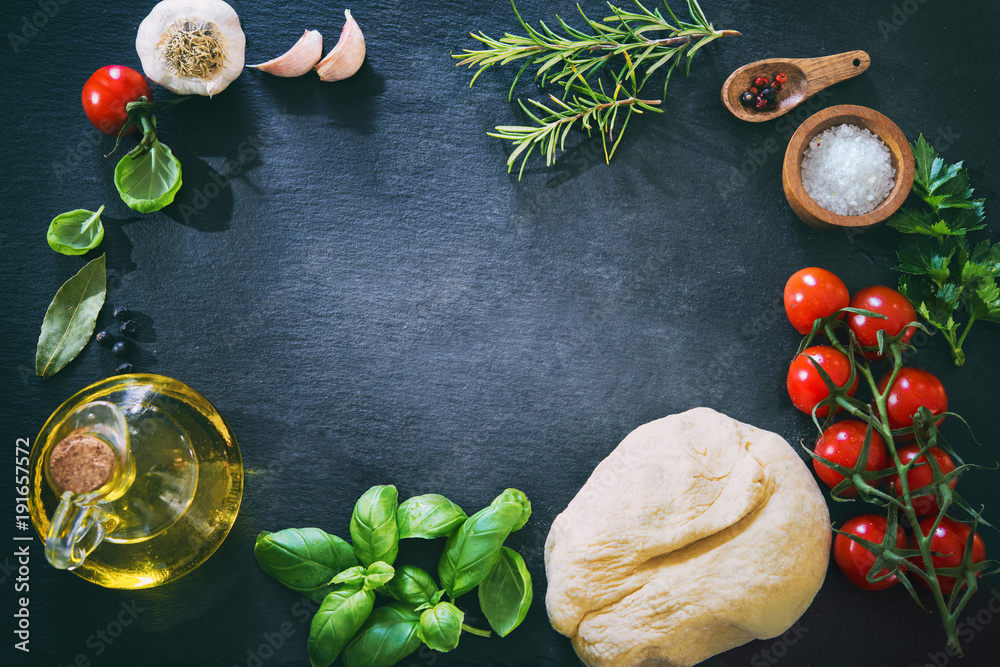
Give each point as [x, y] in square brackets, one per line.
[925, 430]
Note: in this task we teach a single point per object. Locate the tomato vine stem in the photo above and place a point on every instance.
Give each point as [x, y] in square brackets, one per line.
[900, 562]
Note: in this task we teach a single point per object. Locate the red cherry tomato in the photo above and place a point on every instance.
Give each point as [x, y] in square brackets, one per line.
[804, 383]
[107, 92]
[841, 443]
[855, 560]
[813, 293]
[949, 539]
[885, 301]
[912, 389]
[921, 475]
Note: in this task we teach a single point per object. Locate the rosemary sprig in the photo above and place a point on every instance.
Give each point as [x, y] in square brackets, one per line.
[584, 105]
[643, 39]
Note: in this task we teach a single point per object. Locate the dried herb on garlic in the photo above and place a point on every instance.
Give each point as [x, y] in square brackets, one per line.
[192, 46]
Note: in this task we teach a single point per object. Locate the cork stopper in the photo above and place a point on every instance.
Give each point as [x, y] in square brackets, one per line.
[81, 463]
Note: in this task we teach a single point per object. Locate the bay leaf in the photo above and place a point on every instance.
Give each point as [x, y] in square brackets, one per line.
[70, 318]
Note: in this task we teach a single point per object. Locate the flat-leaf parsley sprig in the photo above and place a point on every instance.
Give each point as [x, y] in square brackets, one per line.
[617, 47]
[942, 272]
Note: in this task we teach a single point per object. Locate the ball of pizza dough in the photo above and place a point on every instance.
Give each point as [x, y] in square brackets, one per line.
[697, 534]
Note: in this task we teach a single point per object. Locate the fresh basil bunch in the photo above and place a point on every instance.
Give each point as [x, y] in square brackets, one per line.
[344, 578]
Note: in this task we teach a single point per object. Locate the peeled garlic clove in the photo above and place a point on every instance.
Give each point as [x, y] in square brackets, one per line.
[346, 57]
[192, 47]
[297, 60]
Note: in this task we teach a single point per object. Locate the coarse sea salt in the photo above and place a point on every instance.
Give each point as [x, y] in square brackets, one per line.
[847, 170]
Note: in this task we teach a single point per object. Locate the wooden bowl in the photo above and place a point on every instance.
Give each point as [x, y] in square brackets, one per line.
[791, 172]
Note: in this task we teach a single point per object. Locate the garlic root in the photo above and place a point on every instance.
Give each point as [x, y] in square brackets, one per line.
[299, 59]
[346, 57]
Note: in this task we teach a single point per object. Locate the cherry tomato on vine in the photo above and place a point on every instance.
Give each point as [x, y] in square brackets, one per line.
[921, 475]
[913, 388]
[804, 383]
[812, 293]
[885, 301]
[854, 560]
[949, 539]
[106, 93]
[842, 443]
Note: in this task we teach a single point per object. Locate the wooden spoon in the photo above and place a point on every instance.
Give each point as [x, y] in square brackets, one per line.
[806, 77]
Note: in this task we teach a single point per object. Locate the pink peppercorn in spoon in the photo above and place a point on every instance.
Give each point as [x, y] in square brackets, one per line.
[805, 78]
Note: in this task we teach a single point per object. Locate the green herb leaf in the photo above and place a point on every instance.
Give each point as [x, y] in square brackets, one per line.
[428, 516]
[909, 221]
[984, 303]
[412, 585]
[925, 160]
[938, 249]
[149, 182]
[377, 575]
[373, 526]
[70, 318]
[472, 550]
[441, 626]
[515, 496]
[963, 220]
[339, 618]
[987, 256]
[354, 576]
[76, 232]
[304, 559]
[506, 593]
[388, 636]
[581, 62]
[923, 257]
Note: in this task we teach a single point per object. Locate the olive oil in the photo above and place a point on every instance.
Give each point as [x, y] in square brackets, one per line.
[171, 500]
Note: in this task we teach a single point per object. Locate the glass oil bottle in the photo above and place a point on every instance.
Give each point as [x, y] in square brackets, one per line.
[134, 481]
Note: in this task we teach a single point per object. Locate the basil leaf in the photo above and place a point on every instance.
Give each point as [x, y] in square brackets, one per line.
[70, 318]
[388, 636]
[149, 182]
[304, 559]
[377, 575]
[412, 586]
[354, 576]
[506, 593]
[515, 496]
[373, 526]
[472, 550]
[441, 626]
[339, 618]
[428, 516]
[76, 232]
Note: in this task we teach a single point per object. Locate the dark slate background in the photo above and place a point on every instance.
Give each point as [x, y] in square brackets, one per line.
[370, 298]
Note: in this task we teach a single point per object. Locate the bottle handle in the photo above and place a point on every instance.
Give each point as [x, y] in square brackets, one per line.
[75, 531]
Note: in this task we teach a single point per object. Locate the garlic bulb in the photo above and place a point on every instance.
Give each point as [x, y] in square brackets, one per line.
[297, 60]
[346, 57]
[191, 46]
